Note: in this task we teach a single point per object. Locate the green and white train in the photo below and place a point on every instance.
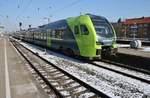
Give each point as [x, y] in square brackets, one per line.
[88, 36]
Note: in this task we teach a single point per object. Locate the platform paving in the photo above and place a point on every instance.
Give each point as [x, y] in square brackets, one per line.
[135, 52]
[15, 79]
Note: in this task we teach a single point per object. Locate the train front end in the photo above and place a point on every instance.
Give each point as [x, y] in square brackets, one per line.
[105, 35]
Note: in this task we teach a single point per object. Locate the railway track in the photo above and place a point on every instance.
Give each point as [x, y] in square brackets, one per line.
[63, 84]
[106, 66]
[122, 66]
[126, 66]
[107, 63]
[138, 62]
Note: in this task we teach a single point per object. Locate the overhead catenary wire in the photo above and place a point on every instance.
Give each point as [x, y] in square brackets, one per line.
[24, 10]
[55, 11]
[21, 3]
[66, 6]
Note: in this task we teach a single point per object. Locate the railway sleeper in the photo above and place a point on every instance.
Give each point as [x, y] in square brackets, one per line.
[69, 88]
[68, 83]
[53, 73]
[89, 95]
[61, 75]
[59, 79]
[78, 93]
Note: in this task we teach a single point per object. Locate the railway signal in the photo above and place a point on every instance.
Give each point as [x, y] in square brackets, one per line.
[29, 26]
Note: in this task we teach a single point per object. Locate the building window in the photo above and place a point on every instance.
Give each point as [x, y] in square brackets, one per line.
[145, 25]
[140, 26]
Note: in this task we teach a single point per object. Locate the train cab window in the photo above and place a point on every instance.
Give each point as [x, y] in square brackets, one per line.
[76, 30]
[84, 30]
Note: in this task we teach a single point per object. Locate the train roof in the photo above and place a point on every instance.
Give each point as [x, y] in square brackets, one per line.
[61, 24]
[95, 16]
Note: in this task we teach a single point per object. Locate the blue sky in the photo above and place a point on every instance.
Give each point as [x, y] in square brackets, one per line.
[36, 12]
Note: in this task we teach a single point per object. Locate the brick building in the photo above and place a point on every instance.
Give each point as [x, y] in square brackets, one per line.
[137, 27]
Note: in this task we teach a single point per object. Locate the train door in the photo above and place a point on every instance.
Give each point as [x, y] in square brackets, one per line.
[84, 35]
[83, 39]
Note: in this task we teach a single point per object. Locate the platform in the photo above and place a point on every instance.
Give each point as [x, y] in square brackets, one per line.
[15, 79]
[136, 52]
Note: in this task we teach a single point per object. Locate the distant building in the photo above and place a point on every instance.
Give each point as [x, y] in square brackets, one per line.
[134, 28]
[137, 27]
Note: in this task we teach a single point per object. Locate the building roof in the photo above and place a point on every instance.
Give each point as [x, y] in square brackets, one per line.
[141, 20]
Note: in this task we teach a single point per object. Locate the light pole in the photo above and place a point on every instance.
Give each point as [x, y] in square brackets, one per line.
[135, 30]
[125, 32]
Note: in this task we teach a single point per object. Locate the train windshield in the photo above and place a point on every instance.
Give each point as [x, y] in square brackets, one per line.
[104, 30]
[102, 26]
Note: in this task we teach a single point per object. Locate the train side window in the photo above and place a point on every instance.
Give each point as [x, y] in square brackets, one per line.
[49, 33]
[41, 35]
[44, 35]
[58, 33]
[76, 30]
[84, 30]
[53, 34]
[67, 34]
